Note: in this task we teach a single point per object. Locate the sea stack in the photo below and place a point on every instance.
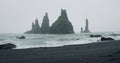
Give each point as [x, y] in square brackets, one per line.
[62, 25]
[82, 30]
[87, 27]
[35, 28]
[45, 25]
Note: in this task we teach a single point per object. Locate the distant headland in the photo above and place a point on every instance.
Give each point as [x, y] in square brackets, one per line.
[61, 26]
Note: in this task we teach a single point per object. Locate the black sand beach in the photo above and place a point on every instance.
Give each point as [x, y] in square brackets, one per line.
[99, 52]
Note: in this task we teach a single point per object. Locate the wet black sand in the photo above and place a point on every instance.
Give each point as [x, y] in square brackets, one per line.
[99, 52]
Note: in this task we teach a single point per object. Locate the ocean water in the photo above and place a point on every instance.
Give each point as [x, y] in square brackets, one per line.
[52, 40]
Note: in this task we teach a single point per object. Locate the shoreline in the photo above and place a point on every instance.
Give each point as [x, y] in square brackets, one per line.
[96, 52]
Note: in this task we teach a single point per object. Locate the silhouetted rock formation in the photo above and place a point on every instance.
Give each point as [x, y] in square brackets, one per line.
[95, 35]
[35, 28]
[82, 30]
[62, 25]
[7, 46]
[22, 37]
[45, 25]
[106, 39]
[86, 27]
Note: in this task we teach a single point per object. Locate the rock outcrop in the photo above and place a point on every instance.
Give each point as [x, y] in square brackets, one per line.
[87, 27]
[106, 38]
[95, 35]
[62, 25]
[45, 25]
[86, 30]
[35, 28]
[21, 37]
[7, 46]
[82, 30]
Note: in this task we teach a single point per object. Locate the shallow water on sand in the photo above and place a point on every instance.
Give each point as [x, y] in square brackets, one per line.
[51, 40]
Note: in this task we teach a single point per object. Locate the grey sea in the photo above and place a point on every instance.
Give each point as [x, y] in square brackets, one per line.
[53, 40]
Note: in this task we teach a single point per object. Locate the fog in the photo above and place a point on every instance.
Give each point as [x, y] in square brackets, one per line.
[16, 16]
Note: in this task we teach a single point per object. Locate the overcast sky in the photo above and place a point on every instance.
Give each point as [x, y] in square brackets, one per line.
[16, 16]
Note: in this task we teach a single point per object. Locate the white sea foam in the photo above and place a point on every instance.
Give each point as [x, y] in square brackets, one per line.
[51, 40]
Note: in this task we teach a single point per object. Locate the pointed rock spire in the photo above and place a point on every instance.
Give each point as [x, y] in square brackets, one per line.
[36, 21]
[33, 25]
[64, 14]
[87, 27]
[45, 24]
[82, 30]
[35, 28]
[62, 25]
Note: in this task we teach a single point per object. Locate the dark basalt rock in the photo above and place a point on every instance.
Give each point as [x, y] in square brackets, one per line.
[22, 37]
[35, 28]
[87, 27]
[82, 30]
[62, 25]
[106, 39]
[45, 25]
[95, 35]
[7, 46]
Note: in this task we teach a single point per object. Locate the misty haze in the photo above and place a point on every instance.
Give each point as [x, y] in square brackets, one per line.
[59, 31]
